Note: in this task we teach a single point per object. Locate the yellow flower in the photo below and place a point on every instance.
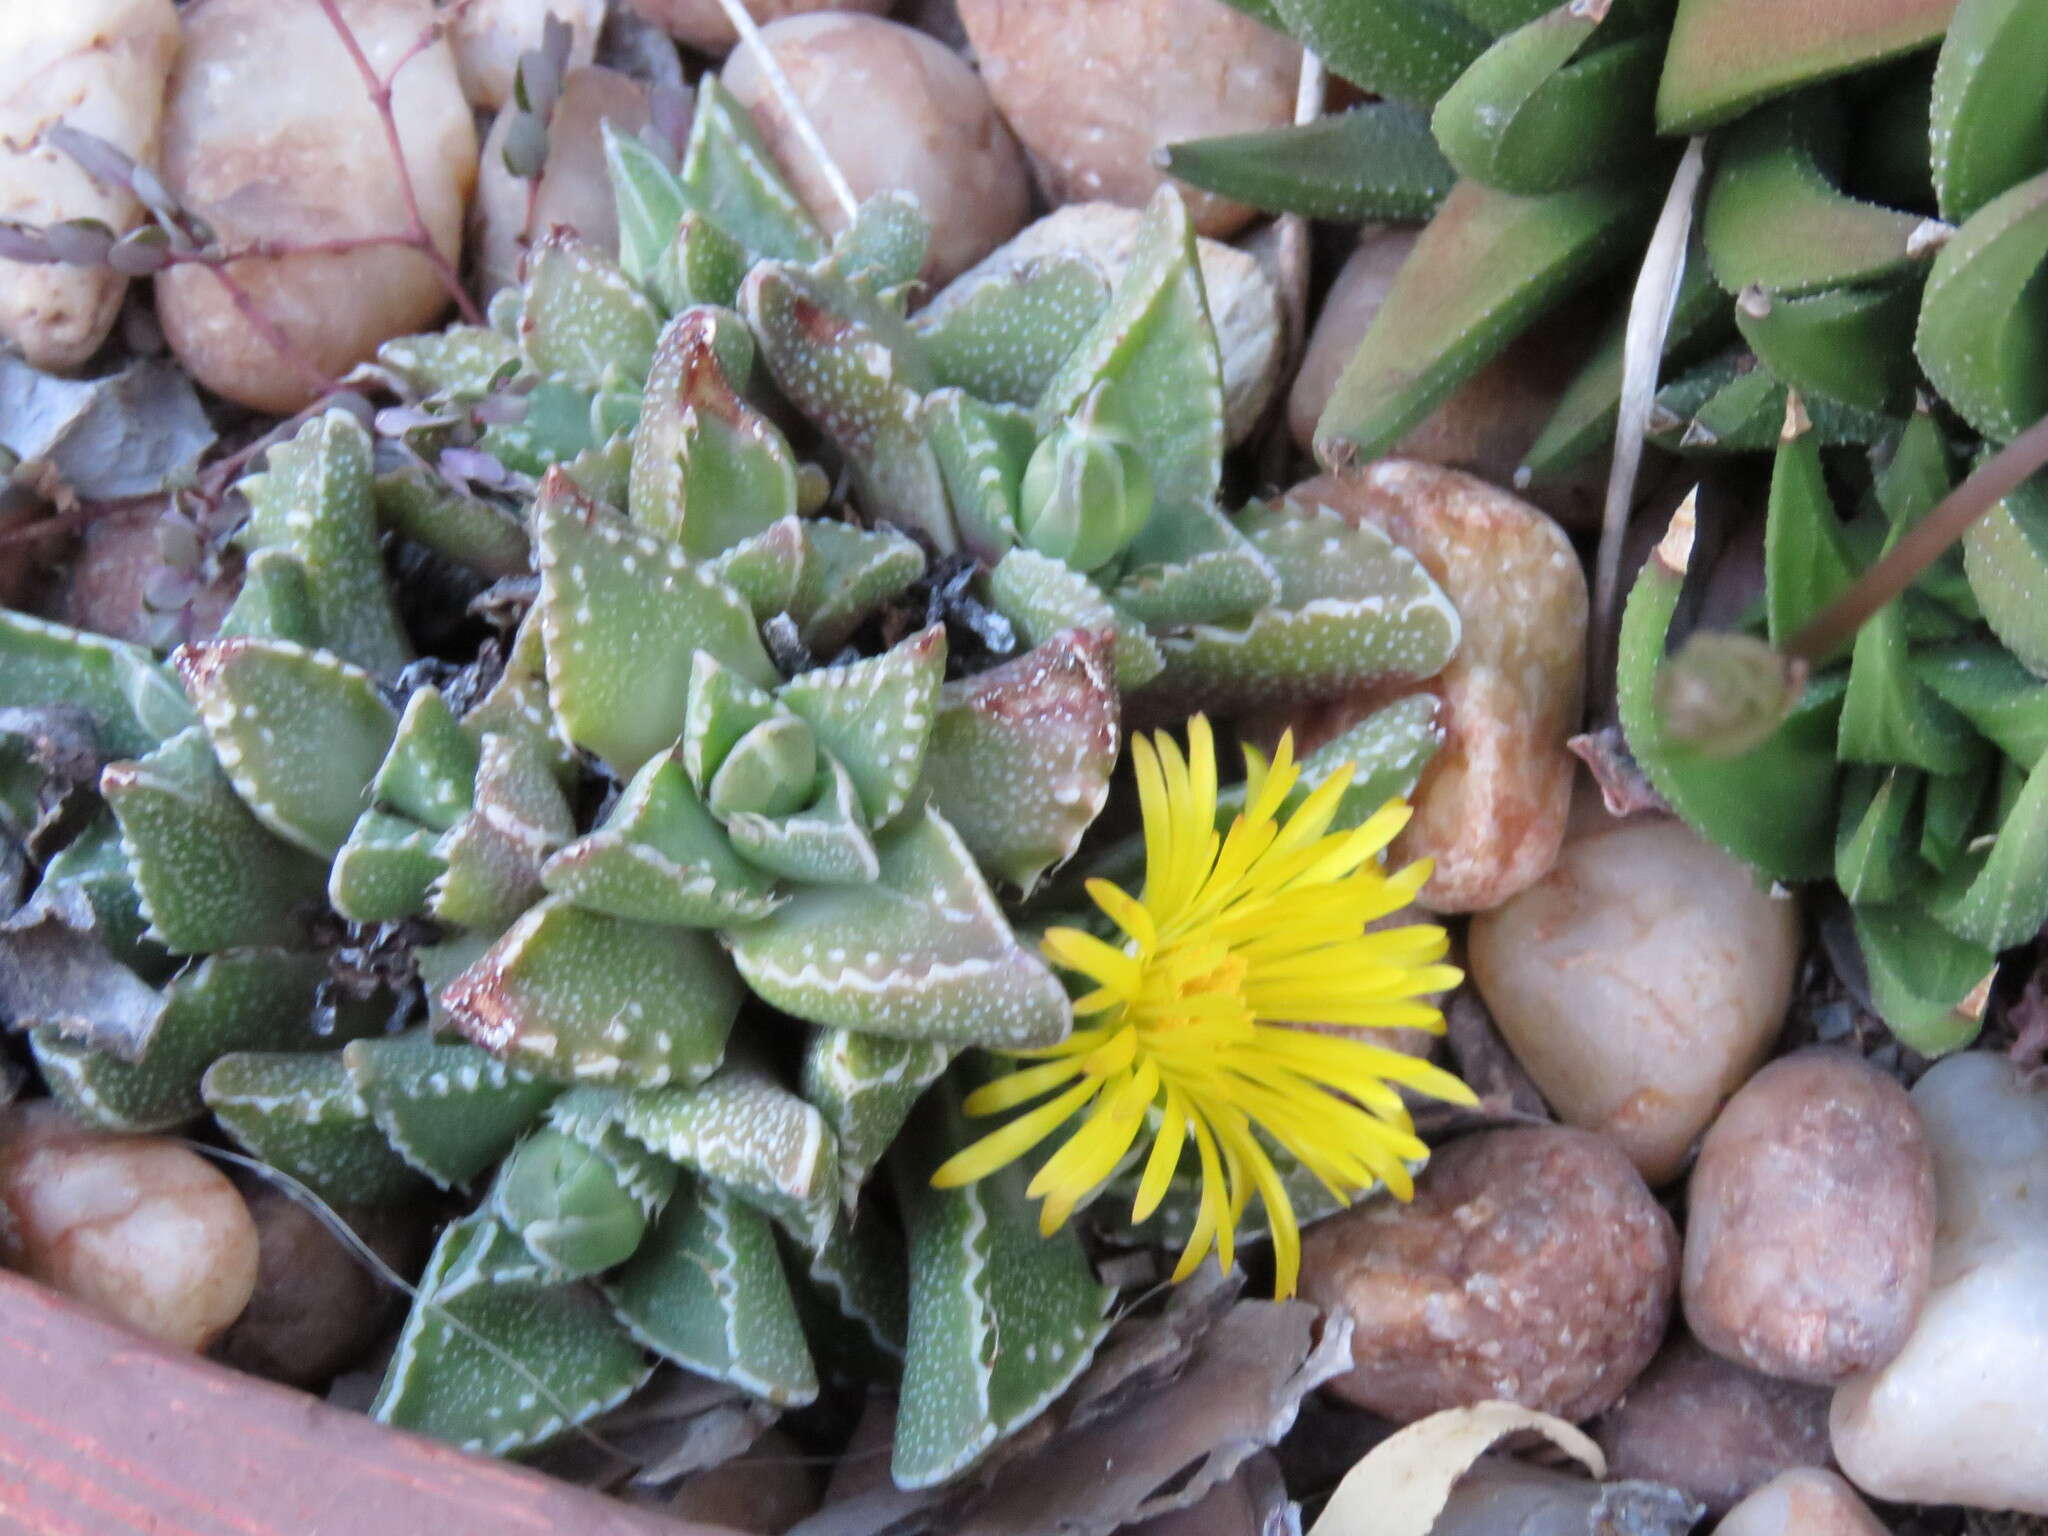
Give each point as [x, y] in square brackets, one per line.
[1191, 1028]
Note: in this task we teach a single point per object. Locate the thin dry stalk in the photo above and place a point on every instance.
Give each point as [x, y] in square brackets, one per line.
[806, 130]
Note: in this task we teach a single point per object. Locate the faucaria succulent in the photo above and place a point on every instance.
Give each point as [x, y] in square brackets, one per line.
[1865, 276]
[659, 925]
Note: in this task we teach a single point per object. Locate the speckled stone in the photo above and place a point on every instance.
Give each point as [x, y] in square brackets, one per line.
[1808, 1502]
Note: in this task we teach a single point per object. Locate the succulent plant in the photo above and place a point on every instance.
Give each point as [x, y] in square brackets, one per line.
[1861, 297]
[658, 923]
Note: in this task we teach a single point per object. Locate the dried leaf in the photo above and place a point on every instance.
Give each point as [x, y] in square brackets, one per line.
[122, 435]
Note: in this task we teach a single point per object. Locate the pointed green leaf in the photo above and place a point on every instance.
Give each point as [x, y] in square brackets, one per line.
[301, 733]
[771, 771]
[1378, 161]
[2005, 553]
[1988, 122]
[1920, 976]
[747, 1132]
[875, 717]
[706, 1290]
[1486, 266]
[1000, 335]
[499, 1365]
[251, 1000]
[1042, 598]
[577, 1204]
[576, 996]
[1806, 559]
[1191, 565]
[2007, 900]
[849, 573]
[517, 704]
[584, 322]
[882, 250]
[982, 451]
[1410, 50]
[924, 954]
[209, 875]
[729, 175]
[708, 469]
[660, 858]
[1986, 684]
[1890, 716]
[723, 707]
[1873, 853]
[494, 854]
[1849, 344]
[1948, 815]
[134, 702]
[420, 505]
[864, 1085]
[298, 1112]
[274, 604]
[94, 865]
[313, 501]
[823, 843]
[1984, 320]
[385, 869]
[462, 362]
[624, 614]
[595, 1117]
[448, 1108]
[430, 772]
[1021, 755]
[767, 569]
[649, 199]
[701, 265]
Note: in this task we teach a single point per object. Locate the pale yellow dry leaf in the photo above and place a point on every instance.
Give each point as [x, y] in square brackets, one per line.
[1401, 1486]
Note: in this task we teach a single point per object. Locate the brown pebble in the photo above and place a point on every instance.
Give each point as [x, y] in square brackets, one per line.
[1808, 1502]
[1810, 1236]
[1532, 1265]
[1712, 1428]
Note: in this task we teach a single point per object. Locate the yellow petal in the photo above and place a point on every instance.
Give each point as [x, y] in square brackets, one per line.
[1012, 1141]
[1020, 1087]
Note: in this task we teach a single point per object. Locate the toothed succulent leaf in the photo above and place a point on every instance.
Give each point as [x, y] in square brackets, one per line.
[706, 1289]
[701, 265]
[417, 503]
[572, 996]
[301, 733]
[209, 875]
[134, 702]
[1021, 755]
[824, 843]
[743, 1130]
[624, 614]
[999, 337]
[874, 716]
[462, 362]
[849, 573]
[854, 1292]
[448, 1108]
[767, 568]
[648, 197]
[313, 501]
[982, 450]
[494, 1362]
[864, 1085]
[770, 772]
[274, 604]
[1042, 598]
[923, 954]
[583, 321]
[494, 854]
[385, 870]
[430, 772]
[566, 1201]
[729, 175]
[1191, 565]
[299, 1112]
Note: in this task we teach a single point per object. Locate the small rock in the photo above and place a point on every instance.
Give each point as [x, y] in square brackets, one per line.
[1532, 1265]
[1711, 1427]
[317, 1307]
[136, 1227]
[488, 37]
[1806, 1502]
[1492, 804]
[1956, 1417]
[1489, 423]
[1094, 89]
[703, 25]
[270, 137]
[1810, 1221]
[1499, 1495]
[898, 111]
[764, 1490]
[1639, 982]
[1243, 303]
[575, 190]
[99, 66]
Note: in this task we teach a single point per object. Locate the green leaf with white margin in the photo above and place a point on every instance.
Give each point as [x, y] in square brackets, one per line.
[274, 604]
[1191, 565]
[576, 996]
[923, 954]
[659, 857]
[875, 716]
[708, 469]
[723, 707]
[1354, 608]
[847, 574]
[429, 775]
[2006, 901]
[462, 362]
[1985, 311]
[1001, 1319]
[209, 875]
[1922, 977]
[448, 1108]
[864, 1085]
[415, 502]
[496, 1363]
[133, 701]
[1875, 858]
[517, 704]
[249, 1000]
[1021, 755]
[494, 854]
[648, 197]
[706, 1290]
[301, 733]
[2000, 698]
[1153, 352]
[594, 1116]
[702, 265]
[385, 870]
[852, 368]
[624, 614]
[1387, 751]
[983, 450]
[313, 501]
[1001, 336]
[584, 322]
[298, 1112]
[95, 866]
[1042, 597]
[882, 250]
[853, 1293]
[730, 176]
[767, 569]
[825, 843]
[744, 1130]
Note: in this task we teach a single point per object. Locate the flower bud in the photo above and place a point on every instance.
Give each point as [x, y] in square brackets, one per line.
[565, 1200]
[770, 772]
[1086, 492]
[1725, 694]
